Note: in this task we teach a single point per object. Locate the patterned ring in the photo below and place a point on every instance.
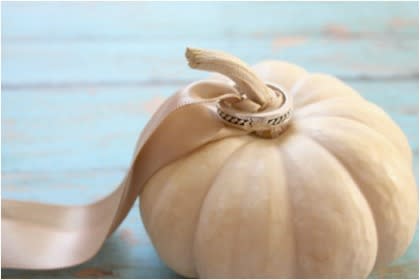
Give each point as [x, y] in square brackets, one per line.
[267, 124]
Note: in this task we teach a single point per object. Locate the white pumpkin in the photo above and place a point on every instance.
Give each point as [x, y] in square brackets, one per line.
[333, 196]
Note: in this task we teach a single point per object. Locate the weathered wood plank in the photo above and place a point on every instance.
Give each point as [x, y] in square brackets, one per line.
[117, 43]
[59, 143]
[53, 130]
[184, 21]
[49, 64]
[80, 80]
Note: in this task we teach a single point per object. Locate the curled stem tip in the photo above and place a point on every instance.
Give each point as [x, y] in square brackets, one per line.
[247, 82]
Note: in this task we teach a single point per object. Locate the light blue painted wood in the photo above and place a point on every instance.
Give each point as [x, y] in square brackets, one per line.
[79, 81]
[144, 42]
[151, 62]
[45, 130]
[179, 21]
[46, 136]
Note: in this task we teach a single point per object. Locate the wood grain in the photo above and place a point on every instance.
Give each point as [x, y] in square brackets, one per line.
[30, 65]
[178, 21]
[80, 81]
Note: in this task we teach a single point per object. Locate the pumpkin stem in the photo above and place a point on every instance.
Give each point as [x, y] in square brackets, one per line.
[247, 82]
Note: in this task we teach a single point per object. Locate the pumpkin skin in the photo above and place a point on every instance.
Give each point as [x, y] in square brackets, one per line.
[333, 196]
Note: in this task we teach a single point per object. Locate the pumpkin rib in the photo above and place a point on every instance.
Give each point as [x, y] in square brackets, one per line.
[305, 106]
[281, 159]
[304, 90]
[159, 198]
[159, 201]
[268, 232]
[268, 214]
[175, 167]
[329, 270]
[396, 137]
[387, 252]
[363, 124]
[357, 184]
[211, 183]
[276, 150]
[280, 253]
[325, 100]
[322, 97]
[240, 218]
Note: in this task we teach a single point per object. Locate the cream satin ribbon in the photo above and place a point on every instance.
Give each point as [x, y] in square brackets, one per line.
[47, 236]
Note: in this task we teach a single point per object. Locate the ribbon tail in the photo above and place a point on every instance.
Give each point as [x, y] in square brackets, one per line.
[47, 236]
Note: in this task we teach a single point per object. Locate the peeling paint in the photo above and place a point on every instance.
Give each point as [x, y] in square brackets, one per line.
[93, 272]
[337, 31]
[290, 41]
[402, 22]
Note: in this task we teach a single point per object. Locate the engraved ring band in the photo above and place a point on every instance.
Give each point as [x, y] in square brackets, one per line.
[273, 121]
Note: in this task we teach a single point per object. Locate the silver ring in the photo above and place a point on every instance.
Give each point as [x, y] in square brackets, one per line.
[270, 122]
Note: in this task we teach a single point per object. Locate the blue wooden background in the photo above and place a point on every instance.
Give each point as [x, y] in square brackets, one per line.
[80, 80]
